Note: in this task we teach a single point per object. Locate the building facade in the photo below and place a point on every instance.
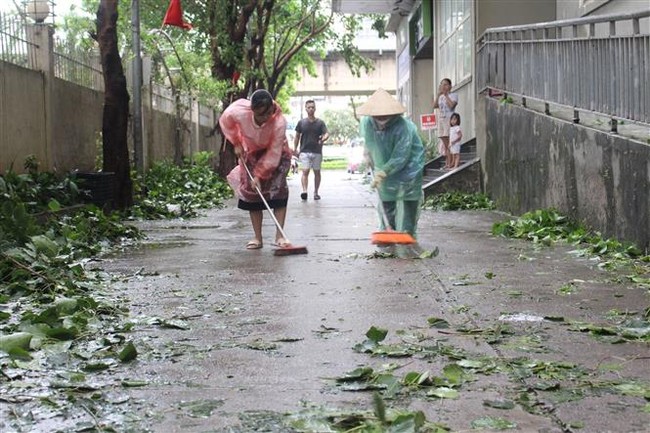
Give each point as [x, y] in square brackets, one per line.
[435, 39]
[555, 94]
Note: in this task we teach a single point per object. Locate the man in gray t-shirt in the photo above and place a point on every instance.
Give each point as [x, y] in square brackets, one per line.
[311, 133]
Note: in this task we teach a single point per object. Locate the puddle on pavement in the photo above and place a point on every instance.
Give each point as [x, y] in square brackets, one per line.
[165, 244]
[156, 225]
[520, 317]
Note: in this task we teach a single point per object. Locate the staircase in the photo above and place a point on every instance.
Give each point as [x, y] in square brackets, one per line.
[466, 178]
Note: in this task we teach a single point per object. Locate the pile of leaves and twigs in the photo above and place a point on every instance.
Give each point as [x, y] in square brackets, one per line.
[170, 191]
[62, 334]
[458, 201]
[55, 320]
[548, 226]
[529, 381]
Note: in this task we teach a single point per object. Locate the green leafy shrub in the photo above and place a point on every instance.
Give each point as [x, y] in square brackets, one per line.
[172, 191]
[36, 189]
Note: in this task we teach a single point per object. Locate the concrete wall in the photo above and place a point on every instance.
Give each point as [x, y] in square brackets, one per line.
[467, 180]
[575, 9]
[76, 125]
[532, 161]
[77, 138]
[570, 10]
[498, 13]
[160, 131]
[421, 78]
[159, 134]
[22, 117]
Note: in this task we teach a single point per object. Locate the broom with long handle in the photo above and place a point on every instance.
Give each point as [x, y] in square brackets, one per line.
[284, 250]
[389, 236]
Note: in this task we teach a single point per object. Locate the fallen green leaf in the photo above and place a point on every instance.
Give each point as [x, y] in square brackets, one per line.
[444, 392]
[19, 340]
[129, 352]
[174, 324]
[97, 366]
[201, 408]
[488, 422]
[127, 383]
[356, 374]
[499, 404]
[436, 322]
[376, 334]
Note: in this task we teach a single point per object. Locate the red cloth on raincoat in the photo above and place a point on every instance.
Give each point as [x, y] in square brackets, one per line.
[266, 151]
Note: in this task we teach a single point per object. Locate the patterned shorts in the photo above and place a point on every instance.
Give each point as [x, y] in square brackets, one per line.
[310, 160]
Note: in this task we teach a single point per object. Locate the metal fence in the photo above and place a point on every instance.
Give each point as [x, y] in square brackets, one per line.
[70, 64]
[164, 101]
[599, 64]
[80, 67]
[14, 46]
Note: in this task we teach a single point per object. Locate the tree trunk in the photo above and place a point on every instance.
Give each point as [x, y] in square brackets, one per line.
[116, 106]
[227, 158]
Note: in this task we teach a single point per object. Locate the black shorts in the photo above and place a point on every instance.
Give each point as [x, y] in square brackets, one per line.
[258, 205]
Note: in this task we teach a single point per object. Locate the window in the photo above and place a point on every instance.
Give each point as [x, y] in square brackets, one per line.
[456, 46]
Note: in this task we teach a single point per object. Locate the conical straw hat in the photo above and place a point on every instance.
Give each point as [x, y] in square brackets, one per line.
[381, 103]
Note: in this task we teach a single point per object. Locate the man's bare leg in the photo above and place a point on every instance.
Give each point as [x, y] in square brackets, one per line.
[304, 180]
[316, 182]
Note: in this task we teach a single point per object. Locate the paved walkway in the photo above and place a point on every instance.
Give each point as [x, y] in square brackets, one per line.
[269, 333]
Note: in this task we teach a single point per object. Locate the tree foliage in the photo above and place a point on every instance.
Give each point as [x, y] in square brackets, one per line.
[263, 42]
[237, 46]
[341, 125]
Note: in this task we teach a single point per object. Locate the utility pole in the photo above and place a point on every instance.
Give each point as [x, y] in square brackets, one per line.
[137, 88]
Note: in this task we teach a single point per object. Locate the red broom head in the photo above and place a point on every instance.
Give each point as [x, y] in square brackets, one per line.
[289, 250]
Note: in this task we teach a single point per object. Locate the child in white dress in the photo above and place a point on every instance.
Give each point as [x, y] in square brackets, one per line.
[455, 136]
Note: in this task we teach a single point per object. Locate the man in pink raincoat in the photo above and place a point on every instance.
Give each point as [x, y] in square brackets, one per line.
[256, 128]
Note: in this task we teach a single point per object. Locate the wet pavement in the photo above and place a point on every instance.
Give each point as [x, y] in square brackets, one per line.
[267, 334]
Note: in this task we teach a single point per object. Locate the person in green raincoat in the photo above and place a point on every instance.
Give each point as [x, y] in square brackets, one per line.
[397, 154]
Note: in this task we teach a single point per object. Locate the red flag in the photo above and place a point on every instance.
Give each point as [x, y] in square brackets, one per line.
[174, 16]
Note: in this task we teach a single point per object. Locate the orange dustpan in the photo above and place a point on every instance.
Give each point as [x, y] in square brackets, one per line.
[389, 236]
[392, 237]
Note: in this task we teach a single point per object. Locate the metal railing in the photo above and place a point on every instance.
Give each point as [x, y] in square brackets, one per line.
[14, 46]
[79, 67]
[82, 67]
[599, 64]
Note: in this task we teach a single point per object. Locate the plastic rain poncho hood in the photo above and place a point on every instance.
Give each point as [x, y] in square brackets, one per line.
[398, 151]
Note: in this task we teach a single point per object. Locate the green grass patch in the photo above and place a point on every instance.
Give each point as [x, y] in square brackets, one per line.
[334, 163]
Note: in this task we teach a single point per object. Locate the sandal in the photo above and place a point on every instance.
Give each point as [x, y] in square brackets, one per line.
[316, 197]
[303, 196]
[281, 243]
[254, 245]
